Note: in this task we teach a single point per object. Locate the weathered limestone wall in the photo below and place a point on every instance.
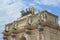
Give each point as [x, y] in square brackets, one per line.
[51, 34]
[49, 18]
[34, 34]
[59, 34]
[46, 33]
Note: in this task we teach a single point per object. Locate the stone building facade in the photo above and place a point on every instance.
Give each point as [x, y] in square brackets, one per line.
[40, 26]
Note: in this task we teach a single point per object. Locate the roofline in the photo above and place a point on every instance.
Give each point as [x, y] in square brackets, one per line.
[49, 13]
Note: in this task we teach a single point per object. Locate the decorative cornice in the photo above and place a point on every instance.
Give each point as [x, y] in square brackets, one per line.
[43, 24]
[57, 27]
[18, 31]
[6, 33]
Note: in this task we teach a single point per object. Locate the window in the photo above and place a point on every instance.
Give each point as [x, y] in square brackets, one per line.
[6, 29]
[29, 21]
[55, 20]
[39, 22]
[45, 16]
[22, 38]
[15, 25]
[5, 38]
[13, 36]
[42, 17]
[27, 31]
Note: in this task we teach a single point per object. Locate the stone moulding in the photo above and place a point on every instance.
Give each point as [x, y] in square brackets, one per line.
[44, 24]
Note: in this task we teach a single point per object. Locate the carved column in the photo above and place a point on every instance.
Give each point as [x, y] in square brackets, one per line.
[13, 36]
[40, 29]
[28, 32]
[5, 38]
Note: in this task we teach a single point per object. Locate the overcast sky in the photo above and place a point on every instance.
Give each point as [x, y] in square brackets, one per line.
[10, 9]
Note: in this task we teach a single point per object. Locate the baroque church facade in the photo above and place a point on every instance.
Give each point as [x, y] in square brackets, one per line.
[30, 26]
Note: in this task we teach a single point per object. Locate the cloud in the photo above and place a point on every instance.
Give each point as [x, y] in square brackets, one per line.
[48, 2]
[59, 22]
[10, 9]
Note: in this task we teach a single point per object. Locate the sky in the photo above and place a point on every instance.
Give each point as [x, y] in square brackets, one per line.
[10, 9]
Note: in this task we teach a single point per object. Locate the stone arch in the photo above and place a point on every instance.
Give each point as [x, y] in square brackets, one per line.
[23, 38]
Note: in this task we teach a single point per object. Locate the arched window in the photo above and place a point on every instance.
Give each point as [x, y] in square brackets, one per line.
[42, 17]
[29, 20]
[45, 16]
[5, 38]
[15, 25]
[22, 38]
[6, 28]
[13, 36]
